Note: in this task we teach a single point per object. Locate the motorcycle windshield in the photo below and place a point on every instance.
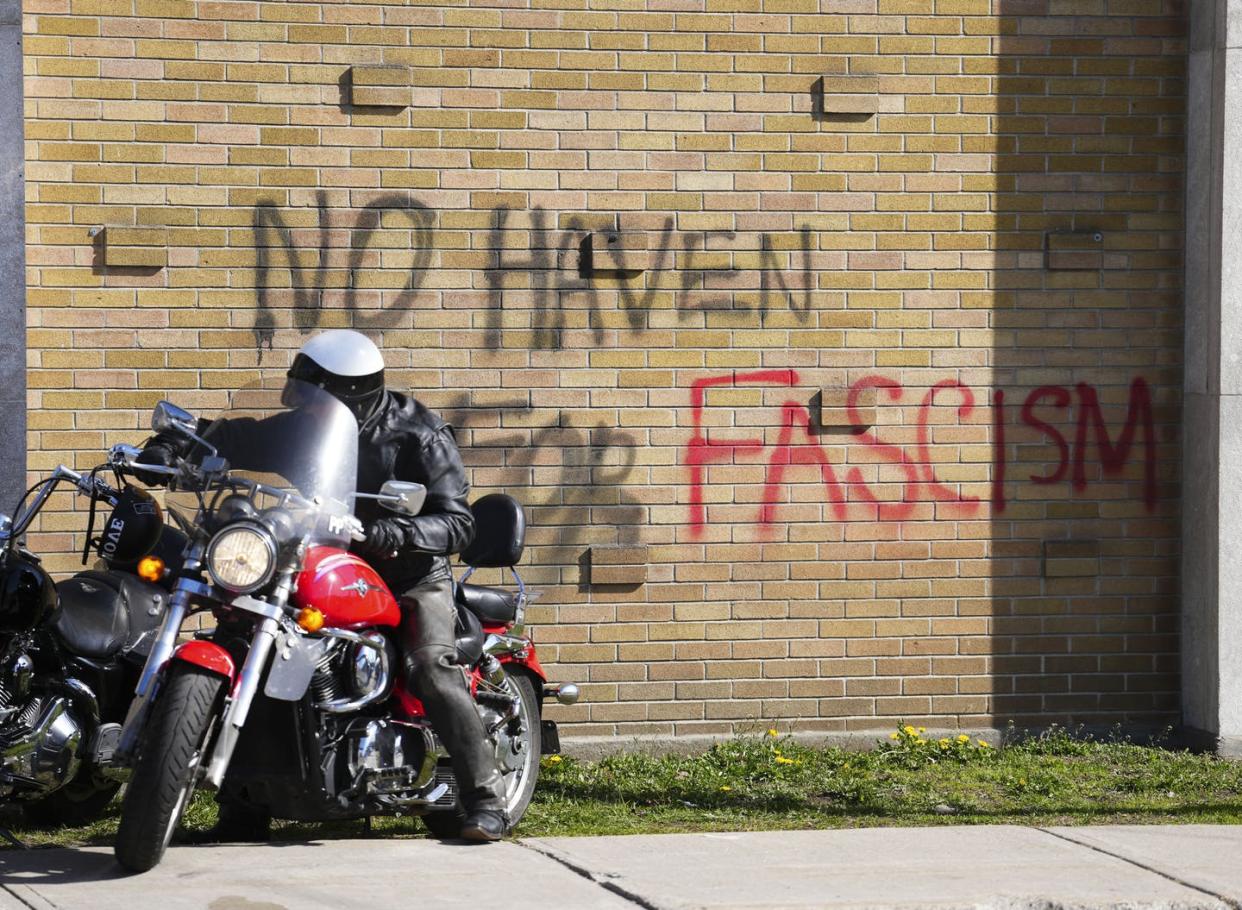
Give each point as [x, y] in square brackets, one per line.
[287, 435]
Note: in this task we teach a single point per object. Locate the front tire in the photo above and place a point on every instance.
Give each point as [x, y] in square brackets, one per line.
[167, 767]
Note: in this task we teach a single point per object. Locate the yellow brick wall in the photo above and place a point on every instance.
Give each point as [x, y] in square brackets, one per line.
[884, 377]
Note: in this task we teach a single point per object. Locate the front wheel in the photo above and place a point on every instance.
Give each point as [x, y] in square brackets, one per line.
[167, 767]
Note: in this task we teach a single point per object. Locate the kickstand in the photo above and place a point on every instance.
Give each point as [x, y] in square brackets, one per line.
[6, 834]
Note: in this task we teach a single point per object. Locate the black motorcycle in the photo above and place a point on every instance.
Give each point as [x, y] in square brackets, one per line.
[71, 653]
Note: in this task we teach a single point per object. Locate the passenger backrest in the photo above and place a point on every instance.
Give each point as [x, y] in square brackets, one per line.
[499, 533]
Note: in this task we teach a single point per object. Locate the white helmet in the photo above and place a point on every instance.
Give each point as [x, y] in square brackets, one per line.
[345, 364]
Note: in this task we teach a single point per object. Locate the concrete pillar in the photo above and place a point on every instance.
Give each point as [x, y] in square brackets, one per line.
[12, 259]
[1212, 396]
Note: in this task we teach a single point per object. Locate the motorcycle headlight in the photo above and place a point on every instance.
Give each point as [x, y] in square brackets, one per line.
[242, 558]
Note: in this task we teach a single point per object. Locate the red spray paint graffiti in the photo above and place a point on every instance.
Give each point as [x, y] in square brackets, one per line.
[797, 446]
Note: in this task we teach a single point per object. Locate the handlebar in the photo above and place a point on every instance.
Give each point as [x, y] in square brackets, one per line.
[90, 485]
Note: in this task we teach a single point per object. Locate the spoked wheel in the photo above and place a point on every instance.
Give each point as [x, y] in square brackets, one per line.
[167, 768]
[518, 759]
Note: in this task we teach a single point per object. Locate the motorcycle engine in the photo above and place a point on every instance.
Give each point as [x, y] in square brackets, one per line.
[38, 747]
[387, 758]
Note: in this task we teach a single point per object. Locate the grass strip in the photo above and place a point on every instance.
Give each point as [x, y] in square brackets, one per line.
[771, 782]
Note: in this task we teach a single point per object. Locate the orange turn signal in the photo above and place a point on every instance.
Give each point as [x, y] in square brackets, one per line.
[151, 568]
[310, 619]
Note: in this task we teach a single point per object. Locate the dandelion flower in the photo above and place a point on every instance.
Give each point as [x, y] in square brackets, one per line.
[922, 729]
[983, 744]
[944, 743]
[773, 732]
[963, 738]
[726, 789]
[554, 759]
[782, 760]
[909, 730]
[893, 736]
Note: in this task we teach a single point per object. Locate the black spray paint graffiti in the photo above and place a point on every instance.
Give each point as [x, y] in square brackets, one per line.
[272, 236]
[551, 287]
[589, 492]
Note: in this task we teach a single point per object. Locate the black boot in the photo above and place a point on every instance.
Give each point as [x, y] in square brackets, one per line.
[484, 823]
[236, 823]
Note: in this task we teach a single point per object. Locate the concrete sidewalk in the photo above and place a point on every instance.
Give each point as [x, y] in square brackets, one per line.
[969, 867]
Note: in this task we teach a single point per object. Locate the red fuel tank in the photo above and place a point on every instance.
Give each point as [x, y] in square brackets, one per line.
[345, 589]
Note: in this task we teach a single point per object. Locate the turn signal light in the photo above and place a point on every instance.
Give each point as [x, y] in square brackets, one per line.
[310, 619]
[151, 568]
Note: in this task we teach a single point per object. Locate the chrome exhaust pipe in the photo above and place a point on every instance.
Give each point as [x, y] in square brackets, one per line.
[565, 693]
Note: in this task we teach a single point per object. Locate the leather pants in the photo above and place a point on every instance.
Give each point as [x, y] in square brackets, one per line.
[429, 639]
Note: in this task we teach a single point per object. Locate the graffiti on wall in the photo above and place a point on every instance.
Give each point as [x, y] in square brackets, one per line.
[850, 495]
[539, 271]
[588, 468]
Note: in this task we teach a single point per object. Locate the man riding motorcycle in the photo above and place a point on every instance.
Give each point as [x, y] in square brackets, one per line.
[398, 438]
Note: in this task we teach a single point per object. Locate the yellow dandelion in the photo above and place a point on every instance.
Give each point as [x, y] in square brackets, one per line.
[983, 744]
[922, 729]
[944, 743]
[726, 789]
[963, 738]
[909, 730]
[782, 760]
[554, 759]
[773, 732]
[893, 736]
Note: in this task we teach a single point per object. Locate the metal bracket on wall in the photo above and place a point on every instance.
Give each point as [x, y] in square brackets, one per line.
[380, 85]
[850, 95]
[831, 406]
[615, 254]
[618, 565]
[1066, 251]
[134, 247]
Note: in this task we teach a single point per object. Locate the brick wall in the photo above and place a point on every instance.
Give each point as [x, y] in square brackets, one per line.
[833, 345]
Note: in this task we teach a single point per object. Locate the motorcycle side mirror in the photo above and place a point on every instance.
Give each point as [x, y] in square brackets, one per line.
[403, 496]
[6, 526]
[168, 418]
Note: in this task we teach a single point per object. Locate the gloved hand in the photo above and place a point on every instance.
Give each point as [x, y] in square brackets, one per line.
[155, 455]
[383, 538]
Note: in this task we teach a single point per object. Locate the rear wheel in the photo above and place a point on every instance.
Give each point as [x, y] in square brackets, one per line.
[167, 767]
[517, 756]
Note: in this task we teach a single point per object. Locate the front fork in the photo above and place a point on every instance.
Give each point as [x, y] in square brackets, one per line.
[245, 686]
[238, 707]
[161, 651]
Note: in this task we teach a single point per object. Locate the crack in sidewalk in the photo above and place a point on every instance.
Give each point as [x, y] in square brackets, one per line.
[17, 897]
[600, 880]
[1227, 901]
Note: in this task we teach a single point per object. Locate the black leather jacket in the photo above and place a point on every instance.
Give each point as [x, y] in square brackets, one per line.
[402, 440]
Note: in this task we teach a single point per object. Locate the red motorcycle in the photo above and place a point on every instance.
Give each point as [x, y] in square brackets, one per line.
[294, 703]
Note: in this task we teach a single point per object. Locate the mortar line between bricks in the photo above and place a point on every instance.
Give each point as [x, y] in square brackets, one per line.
[1227, 901]
[590, 876]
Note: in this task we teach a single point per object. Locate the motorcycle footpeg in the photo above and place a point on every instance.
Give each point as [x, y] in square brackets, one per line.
[107, 739]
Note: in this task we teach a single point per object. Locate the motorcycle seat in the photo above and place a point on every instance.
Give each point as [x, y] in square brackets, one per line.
[93, 620]
[493, 606]
[102, 613]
